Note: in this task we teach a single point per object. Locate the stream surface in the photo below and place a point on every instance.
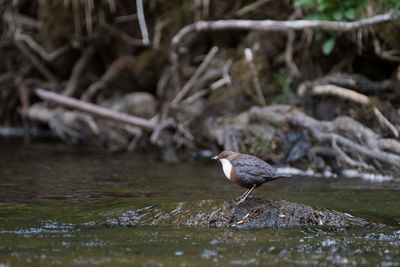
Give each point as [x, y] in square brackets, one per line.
[54, 201]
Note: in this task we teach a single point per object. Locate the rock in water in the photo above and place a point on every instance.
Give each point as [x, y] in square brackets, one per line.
[253, 213]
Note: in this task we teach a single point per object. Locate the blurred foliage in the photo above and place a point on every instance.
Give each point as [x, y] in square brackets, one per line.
[338, 10]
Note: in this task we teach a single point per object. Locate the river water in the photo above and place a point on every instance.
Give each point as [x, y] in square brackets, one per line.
[54, 201]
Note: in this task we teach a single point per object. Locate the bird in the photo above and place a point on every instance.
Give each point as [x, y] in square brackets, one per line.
[247, 171]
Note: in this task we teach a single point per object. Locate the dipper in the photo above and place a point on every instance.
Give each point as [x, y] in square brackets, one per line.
[247, 171]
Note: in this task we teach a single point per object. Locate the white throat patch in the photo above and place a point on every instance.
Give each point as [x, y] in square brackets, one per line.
[227, 167]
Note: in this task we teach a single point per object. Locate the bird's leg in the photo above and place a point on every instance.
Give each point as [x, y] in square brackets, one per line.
[245, 195]
[242, 196]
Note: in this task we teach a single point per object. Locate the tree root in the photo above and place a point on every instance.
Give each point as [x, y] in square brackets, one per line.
[351, 141]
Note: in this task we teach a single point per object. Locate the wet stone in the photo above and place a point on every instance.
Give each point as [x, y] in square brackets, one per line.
[253, 213]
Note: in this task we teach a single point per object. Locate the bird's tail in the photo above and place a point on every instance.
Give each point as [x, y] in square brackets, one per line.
[282, 173]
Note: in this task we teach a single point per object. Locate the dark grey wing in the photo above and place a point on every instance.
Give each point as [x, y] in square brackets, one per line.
[251, 166]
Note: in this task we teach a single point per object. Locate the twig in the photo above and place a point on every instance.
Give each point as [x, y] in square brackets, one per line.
[189, 100]
[25, 21]
[342, 155]
[202, 83]
[89, 7]
[48, 56]
[158, 32]
[112, 72]
[387, 55]
[210, 75]
[341, 92]
[142, 22]
[186, 88]
[160, 127]
[115, 32]
[251, 7]
[256, 81]
[352, 81]
[95, 109]
[126, 18]
[294, 70]
[77, 71]
[36, 62]
[135, 140]
[289, 50]
[386, 122]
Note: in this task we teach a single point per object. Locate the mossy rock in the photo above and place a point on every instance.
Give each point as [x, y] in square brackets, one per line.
[253, 213]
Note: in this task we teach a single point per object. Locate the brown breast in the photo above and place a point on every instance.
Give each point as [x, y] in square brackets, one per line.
[233, 177]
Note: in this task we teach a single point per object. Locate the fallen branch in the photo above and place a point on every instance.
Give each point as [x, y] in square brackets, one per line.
[330, 89]
[95, 109]
[352, 81]
[274, 25]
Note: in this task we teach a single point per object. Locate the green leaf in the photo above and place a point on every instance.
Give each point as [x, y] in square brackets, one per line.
[328, 46]
[350, 14]
[338, 16]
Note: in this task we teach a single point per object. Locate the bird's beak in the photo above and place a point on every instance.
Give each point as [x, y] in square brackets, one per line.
[215, 157]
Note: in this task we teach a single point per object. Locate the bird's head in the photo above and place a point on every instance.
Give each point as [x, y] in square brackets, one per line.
[224, 154]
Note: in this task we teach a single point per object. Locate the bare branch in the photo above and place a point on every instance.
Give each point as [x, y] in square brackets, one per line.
[294, 70]
[77, 71]
[95, 109]
[342, 155]
[274, 25]
[256, 81]
[126, 18]
[352, 81]
[251, 7]
[341, 92]
[186, 88]
[48, 56]
[112, 72]
[142, 22]
[115, 32]
[386, 122]
[36, 62]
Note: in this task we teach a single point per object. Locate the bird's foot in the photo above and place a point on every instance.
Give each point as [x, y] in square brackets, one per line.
[245, 195]
[242, 198]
